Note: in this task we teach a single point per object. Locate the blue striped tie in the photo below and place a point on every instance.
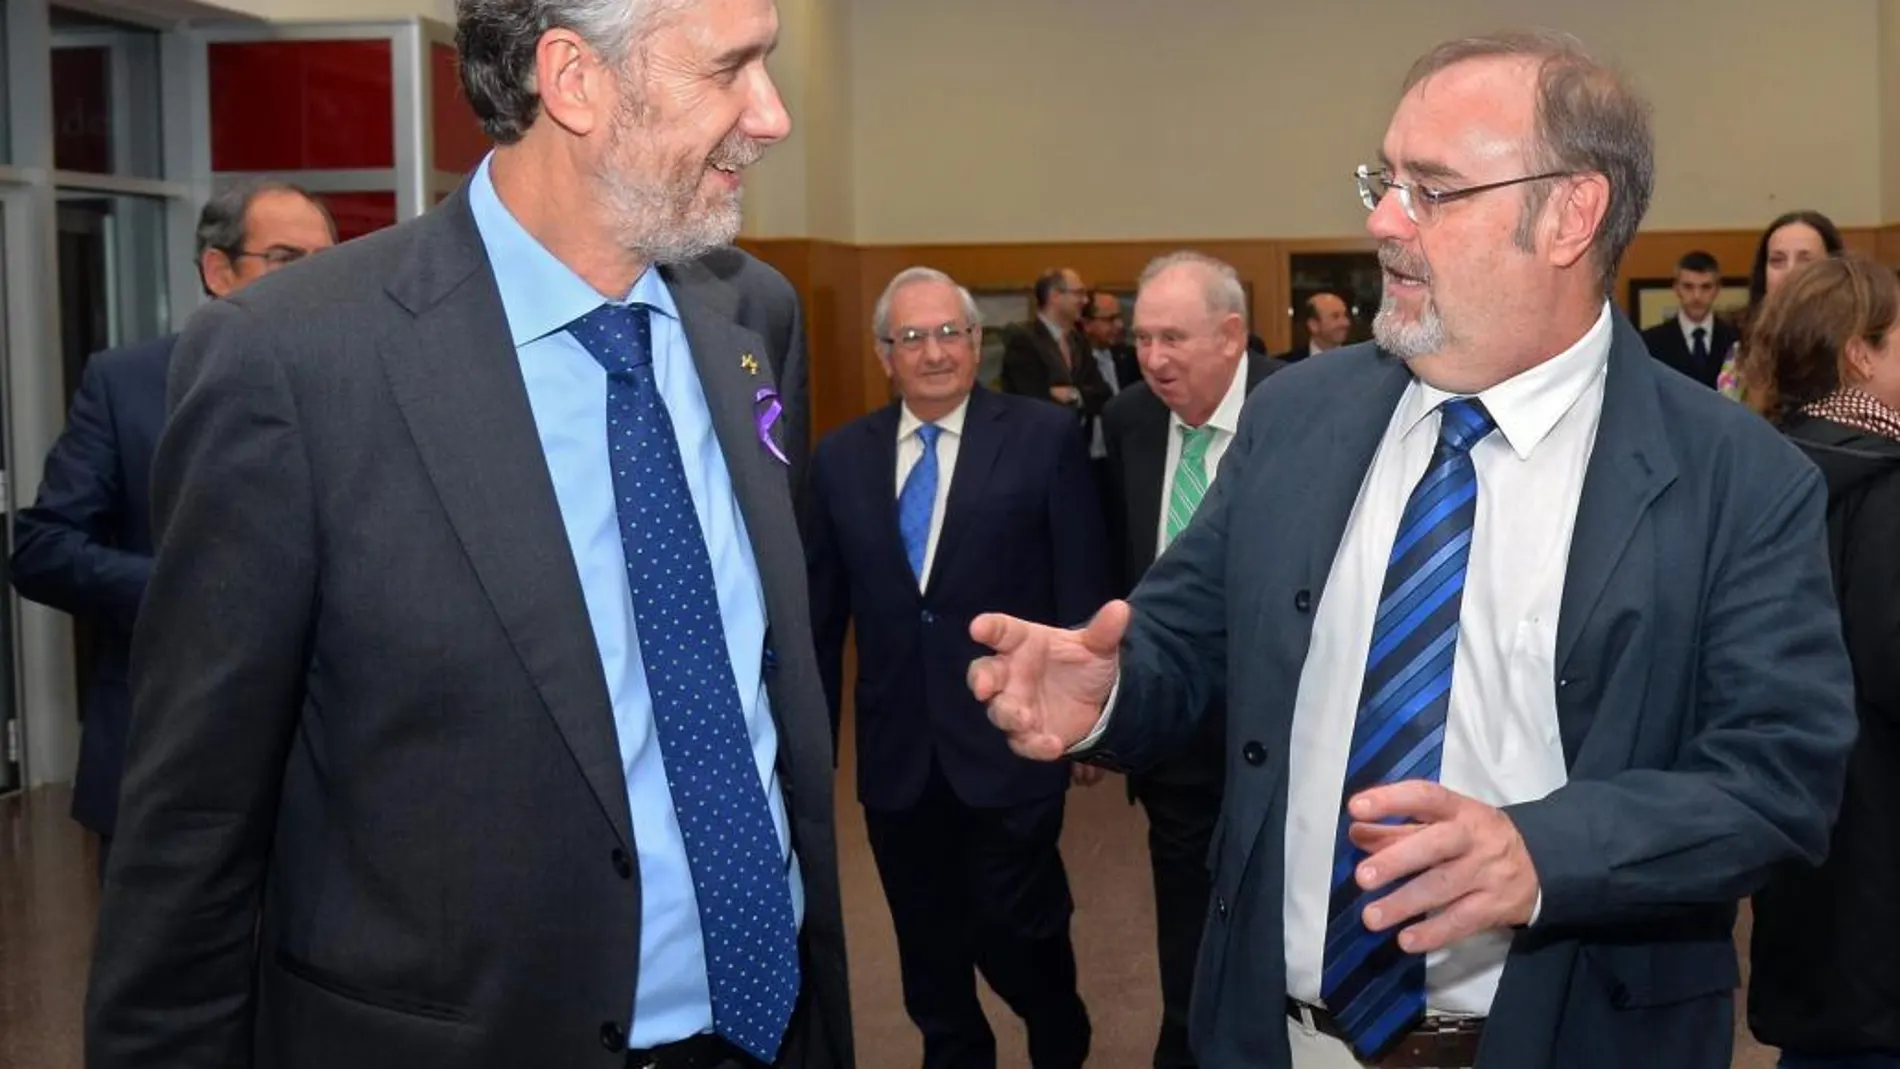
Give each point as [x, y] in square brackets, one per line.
[747, 923]
[1374, 989]
[918, 500]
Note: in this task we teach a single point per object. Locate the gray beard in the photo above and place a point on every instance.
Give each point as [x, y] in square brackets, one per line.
[1408, 340]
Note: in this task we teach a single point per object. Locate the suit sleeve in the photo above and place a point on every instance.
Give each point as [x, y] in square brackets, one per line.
[830, 591]
[64, 554]
[1082, 580]
[1760, 772]
[794, 384]
[1024, 371]
[219, 662]
[1173, 658]
[1116, 521]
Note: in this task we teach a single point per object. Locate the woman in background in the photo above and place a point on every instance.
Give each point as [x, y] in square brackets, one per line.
[1790, 241]
[1824, 365]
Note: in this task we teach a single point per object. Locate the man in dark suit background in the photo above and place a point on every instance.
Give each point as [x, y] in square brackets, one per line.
[1328, 326]
[1050, 359]
[85, 545]
[458, 740]
[1529, 645]
[1695, 340]
[1106, 330]
[951, 502]
[1166, 438]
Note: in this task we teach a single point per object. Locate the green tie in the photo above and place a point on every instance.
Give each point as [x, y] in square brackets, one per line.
[1190, 479]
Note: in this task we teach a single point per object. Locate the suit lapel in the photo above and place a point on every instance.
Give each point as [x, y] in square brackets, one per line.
[457, 381]
[1630, 466]
[1330, 486]
[983, 433]
[1147, 468]
[880, 486]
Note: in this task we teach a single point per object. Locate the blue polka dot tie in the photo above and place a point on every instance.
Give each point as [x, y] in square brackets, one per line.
[1373, 988]
[732, 846]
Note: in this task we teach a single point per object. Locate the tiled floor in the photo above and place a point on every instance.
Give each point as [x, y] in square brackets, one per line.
[47, 901]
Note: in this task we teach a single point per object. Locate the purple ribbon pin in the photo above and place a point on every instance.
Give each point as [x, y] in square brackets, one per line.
[767, 411]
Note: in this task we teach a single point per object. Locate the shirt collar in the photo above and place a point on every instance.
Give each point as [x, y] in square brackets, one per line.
[1226, 415]
[1707, 325]
[540, 294]
[907, 421]
[1527, 405]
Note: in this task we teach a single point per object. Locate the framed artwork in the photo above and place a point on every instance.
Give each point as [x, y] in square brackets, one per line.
[1653, 300]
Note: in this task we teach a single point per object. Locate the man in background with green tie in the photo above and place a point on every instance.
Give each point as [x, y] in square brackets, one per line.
[1165, 439]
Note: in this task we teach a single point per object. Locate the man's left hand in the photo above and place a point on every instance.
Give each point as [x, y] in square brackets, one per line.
[1473, 872]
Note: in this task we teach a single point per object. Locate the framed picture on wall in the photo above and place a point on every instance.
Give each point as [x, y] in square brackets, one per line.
[1653, 300]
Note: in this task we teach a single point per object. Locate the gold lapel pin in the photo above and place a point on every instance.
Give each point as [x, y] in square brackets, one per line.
[751, 365]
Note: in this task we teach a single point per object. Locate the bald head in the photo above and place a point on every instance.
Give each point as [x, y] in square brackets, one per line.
[1328, 321]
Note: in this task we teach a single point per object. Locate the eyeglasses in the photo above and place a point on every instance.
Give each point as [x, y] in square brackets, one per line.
[1421, 203]
[912, 339]
[275, 256]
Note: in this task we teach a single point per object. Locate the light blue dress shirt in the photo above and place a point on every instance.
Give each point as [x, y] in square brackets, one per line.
[567, 389]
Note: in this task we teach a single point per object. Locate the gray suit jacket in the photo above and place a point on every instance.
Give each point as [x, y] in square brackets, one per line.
[1702, 689]
[369, 700]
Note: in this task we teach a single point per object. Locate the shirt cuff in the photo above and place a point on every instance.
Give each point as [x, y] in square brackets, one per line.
[1101, 724]
[1537, 910]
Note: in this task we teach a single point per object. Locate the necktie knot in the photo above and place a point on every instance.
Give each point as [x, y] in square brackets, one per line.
[619, 336]
[1463, 423]
[1194, 442]
[928, 435]
[1699, 333]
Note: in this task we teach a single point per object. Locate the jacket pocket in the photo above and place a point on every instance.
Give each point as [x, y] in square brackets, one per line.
[381, 1000]
[1639, 976]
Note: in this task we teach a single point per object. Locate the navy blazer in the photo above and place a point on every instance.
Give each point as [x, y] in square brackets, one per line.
[1022, 534]
[1703, 691]
[85, 545]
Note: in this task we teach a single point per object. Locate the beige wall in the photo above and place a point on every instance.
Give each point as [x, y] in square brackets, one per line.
[1005, 120]
[294, 10]
[803, 188]
[1890, 111]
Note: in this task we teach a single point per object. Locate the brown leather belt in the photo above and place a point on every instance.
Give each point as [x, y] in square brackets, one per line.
[1439, 1043]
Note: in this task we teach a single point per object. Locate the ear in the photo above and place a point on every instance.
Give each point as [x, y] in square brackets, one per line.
[1233, 332]
[1575, 216]
[576, 88]
[220, 274]
[884, 361]
[1858, 360]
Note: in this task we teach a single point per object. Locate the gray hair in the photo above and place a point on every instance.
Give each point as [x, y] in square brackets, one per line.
[1588, 121]
[1220, 283]
[881, 313]
[497, 40]
[221, 223]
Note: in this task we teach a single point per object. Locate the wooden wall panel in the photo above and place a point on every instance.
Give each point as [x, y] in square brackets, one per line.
[840, 284]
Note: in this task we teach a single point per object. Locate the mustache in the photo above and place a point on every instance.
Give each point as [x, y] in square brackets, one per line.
[1393, 257]
[737, 152]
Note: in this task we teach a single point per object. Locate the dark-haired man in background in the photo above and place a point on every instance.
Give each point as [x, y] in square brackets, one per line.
[85, 545]
[1694, 340]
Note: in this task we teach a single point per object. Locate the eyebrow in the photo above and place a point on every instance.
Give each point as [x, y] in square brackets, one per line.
[1423, 170]
[739, 57]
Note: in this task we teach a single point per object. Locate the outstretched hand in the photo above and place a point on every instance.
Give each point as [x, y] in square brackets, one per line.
[1045, 686]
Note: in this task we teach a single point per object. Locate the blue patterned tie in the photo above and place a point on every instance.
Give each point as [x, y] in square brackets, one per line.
[1374, 989]
[918, 499]
[732, 845]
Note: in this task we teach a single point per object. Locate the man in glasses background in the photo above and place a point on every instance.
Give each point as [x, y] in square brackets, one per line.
[949, 502]
[85, 545]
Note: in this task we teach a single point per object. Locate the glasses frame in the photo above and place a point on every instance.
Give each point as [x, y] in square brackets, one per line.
[1410, 193]
[944, 335]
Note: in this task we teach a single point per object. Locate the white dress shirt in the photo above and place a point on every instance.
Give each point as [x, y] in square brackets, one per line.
[1501, 739]
[1224, 422]
[1707, 326]
[910, 450]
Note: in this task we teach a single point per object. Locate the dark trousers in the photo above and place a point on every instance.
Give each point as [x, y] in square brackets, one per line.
[981, 890]
[105, 849]
[1181, 820]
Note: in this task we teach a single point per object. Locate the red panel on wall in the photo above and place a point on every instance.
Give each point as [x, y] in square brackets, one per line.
[301, 105]
[357, 214]
[460, 143]
[82, 110]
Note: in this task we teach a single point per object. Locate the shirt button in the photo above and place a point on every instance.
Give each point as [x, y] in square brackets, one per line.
[1303, 601]
[1254, 754]
[1220, 907]
[613, 1037]
[623, 864]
